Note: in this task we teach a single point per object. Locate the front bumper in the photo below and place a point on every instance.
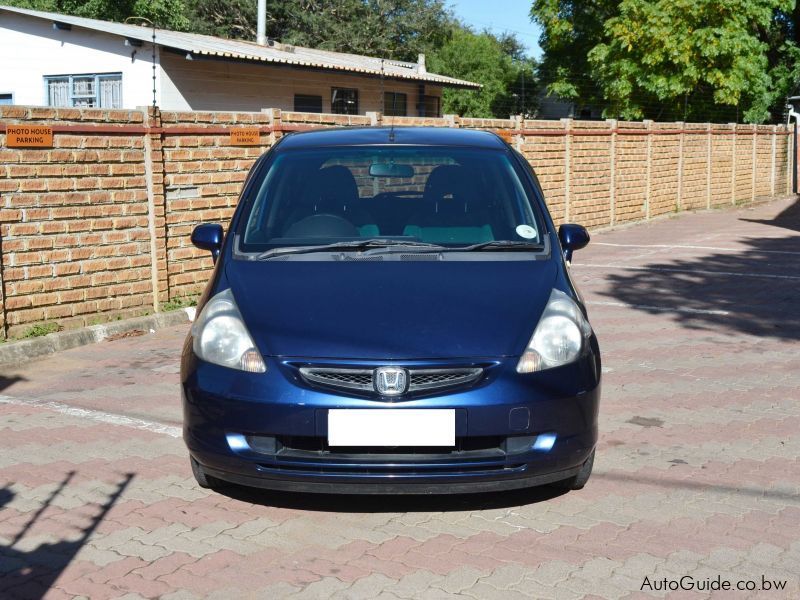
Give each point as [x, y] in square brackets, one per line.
[228, 414]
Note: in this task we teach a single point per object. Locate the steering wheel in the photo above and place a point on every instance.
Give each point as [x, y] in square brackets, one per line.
[322, 225]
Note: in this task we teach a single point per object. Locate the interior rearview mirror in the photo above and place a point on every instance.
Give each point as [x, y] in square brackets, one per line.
[390, 170]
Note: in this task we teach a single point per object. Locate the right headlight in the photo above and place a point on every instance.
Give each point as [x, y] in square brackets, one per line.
[220, 336]
[559, 337]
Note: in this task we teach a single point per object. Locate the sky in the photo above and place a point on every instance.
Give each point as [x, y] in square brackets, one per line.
[499, 16]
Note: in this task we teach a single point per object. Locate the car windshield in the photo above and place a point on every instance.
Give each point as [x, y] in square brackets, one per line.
[435, 197]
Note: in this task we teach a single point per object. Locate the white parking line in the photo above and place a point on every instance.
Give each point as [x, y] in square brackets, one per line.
[699, 311]
[97, 415]
[715, 248]
[692, 271]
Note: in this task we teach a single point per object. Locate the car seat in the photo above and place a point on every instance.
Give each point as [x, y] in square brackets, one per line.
[450, 214]
[333, 191]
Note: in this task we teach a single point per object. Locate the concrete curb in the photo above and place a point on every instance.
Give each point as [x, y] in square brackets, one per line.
[15, 353]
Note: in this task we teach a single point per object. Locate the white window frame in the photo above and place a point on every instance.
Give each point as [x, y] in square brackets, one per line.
[98, 77]
[7, 94]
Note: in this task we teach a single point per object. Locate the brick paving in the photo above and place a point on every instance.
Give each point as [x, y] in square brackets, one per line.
[696, 475]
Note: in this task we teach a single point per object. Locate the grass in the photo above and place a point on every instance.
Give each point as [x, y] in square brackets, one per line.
[179, 302]
[40, 329]
[101, 319]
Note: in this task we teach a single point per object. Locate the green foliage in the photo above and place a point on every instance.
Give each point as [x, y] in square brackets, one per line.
[166, 14]
[570, 29]
[40, 329]
[668, 49]
[719, 60]
[179, 302]
[488, 60]
[398, 29]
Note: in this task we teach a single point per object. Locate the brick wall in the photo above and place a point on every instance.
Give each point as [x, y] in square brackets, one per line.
[74, 220]
[98, 226]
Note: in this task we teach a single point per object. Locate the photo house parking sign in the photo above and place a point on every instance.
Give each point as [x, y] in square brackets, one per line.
[29, 136]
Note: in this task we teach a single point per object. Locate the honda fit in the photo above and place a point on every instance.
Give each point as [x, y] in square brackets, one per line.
[391, 311]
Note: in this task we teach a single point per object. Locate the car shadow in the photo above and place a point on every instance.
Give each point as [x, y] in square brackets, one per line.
[396, 503]
[753, 291]
[30, 574]
[788, 218]
[709, 485]
[6, 381]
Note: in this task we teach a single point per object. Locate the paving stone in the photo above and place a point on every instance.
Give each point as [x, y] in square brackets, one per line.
[696, 471]
[365, 588]
[411, 585]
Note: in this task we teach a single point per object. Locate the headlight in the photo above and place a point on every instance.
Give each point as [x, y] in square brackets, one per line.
[559, 337]
[220, 336]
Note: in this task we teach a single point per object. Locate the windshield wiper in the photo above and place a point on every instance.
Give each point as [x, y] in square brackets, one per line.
[354, 245]
[503, 245]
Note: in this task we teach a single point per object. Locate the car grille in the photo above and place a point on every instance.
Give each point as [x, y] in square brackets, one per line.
[420, 380]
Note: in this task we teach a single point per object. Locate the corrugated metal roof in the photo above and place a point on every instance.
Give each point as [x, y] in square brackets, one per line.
[206, 45]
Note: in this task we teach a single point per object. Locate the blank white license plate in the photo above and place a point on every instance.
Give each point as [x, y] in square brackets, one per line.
[391, 427]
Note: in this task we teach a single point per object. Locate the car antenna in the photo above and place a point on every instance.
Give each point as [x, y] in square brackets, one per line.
[383, 101]
[391, 127]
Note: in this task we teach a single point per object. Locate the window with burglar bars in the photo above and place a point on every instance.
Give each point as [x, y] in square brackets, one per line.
[344, 101]
[85, 91]
[395, 104]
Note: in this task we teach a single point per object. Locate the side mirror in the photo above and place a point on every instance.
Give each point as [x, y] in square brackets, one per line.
[208, 236]
[572, 237]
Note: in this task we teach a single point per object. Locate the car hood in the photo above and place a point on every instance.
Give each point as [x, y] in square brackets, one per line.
[391, 310]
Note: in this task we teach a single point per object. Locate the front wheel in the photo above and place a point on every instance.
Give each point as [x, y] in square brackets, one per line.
[577, 481]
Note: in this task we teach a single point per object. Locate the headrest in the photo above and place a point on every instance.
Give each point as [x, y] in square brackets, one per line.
[450, 188]
[333, 189]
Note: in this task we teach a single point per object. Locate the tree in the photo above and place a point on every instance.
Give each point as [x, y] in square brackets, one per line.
[234, 19]
[668, 50]
[783, 57]
[718, 60]
[490, 61]
[398, 29]
[166, 14]
[570, 29]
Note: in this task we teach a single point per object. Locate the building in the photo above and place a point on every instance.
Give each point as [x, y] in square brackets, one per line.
[52, 59]
[553, 107]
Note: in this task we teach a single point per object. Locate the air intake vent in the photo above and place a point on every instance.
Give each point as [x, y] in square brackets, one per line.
[420, 256]
[350, 258]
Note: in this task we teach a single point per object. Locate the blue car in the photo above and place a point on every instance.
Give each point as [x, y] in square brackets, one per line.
[391, 311]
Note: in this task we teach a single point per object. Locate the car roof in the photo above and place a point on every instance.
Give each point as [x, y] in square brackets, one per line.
[383, 136]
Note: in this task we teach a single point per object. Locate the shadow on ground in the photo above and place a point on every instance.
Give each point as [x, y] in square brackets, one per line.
[358, 503]
[30, 574]
[788, 218]
[6, 381]
[754, 291]
[701, 486]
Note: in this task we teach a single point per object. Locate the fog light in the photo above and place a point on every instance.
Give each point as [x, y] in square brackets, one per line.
[263, 444]
[237, 442]
[519, 444]
[545, 442]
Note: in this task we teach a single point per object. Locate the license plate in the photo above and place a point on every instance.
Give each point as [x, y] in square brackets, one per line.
[391, 427]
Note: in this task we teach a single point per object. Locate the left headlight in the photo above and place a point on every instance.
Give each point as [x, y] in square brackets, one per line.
[220, 336]
[559, 337]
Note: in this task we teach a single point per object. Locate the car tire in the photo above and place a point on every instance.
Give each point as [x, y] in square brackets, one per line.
[204, 480]
[577, 481]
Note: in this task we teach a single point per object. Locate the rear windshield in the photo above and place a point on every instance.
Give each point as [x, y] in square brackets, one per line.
[445, 196]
